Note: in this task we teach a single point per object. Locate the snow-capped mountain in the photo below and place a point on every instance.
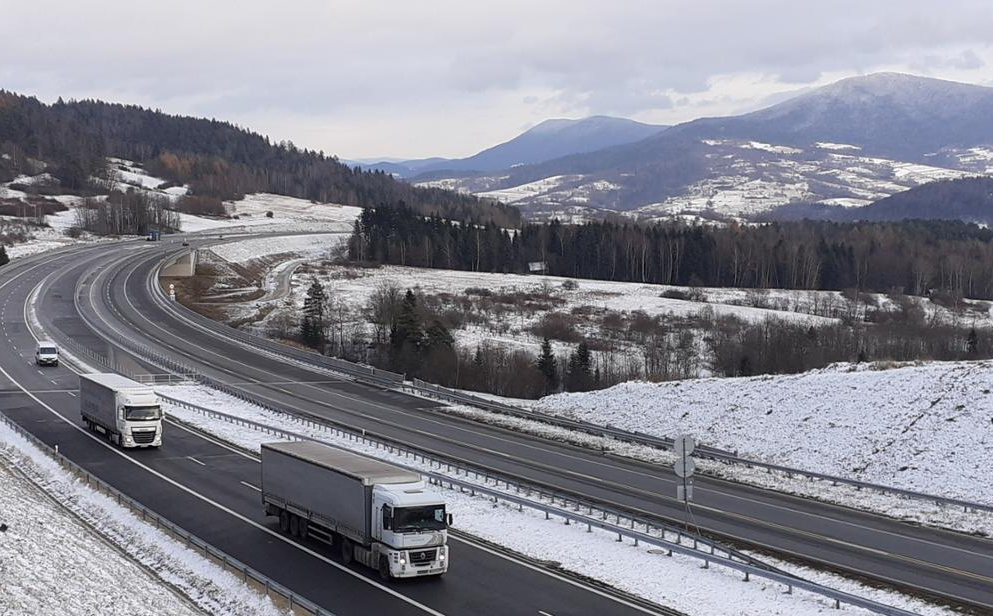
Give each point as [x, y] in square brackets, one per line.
[546, 141]
[847, 144]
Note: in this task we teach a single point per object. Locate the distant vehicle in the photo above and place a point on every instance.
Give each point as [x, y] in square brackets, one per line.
[378, 514]
[47, 353]
[186, 243]
[153, 236]
[126, 411]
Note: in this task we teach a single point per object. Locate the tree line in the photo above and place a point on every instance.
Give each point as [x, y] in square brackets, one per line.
[912, 256]
[217, 159]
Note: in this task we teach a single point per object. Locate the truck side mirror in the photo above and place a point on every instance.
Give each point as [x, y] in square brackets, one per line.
[387, 518]
[448, 519]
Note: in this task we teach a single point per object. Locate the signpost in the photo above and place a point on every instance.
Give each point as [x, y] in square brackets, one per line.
[684, 466]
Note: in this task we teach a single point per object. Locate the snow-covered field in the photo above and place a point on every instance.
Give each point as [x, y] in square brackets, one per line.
[53, 563]
[927, 428]
[677, 582]
[312, 246]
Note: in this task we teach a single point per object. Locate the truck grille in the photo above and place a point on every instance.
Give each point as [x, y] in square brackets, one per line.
[422, 557]
[143, 438]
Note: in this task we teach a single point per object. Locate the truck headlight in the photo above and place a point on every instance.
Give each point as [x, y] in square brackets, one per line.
[403, 561]
[442, 557]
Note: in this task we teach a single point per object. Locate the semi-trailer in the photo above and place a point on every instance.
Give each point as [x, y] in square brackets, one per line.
[377, 514]
[126, 411]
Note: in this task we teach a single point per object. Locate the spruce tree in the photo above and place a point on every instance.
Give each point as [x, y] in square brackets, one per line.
[4, 259]
[548, 366]
[313, 323]
[972, 342]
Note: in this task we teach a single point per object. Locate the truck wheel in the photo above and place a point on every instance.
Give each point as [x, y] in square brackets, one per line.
[347, 551]
[295, 525]
[304, 529]
[284, 521]
[384, 568]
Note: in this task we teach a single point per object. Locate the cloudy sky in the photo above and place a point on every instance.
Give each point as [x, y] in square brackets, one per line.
[430, 77]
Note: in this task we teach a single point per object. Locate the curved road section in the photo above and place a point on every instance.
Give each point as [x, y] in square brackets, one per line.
[209, 488]
[115, 292]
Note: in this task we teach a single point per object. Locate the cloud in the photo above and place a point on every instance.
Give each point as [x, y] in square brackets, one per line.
[450, 78]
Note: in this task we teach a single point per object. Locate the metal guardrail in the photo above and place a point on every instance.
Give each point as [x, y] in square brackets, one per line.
[624, 527]
[282, 597]
[395, 381]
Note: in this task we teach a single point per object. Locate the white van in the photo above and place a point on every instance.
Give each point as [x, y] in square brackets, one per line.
[47, 354]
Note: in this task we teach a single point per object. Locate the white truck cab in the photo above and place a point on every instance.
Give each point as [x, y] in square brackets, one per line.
[412, 528]
[47, 353]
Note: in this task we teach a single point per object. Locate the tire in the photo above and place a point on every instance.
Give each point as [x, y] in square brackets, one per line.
[284, 521]
[304, 529]
[384, 569]
[295, 525]
[347, 551]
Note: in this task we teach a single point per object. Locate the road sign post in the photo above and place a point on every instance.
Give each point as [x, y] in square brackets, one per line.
[684, 467]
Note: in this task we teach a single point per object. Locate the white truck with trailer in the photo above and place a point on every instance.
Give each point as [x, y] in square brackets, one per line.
[376, 513]
[126, 411]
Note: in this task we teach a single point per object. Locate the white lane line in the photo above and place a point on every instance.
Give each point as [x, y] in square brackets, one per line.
[227, 510]
[592, 478]
[195, 460]
[248, 485]
[544, 613]
[71, 394]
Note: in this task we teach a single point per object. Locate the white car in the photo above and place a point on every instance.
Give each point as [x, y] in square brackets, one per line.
[47, 354]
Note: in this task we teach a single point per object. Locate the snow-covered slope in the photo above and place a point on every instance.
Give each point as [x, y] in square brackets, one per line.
[927, 427]
[50, 563]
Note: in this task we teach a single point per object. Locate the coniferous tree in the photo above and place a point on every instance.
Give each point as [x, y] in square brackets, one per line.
[314, 318]
[972, 342]
[578, 375]
[4, 259]
[548, 366]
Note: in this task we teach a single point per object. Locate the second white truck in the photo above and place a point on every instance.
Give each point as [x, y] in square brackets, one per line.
[124, 410]
[377, 514]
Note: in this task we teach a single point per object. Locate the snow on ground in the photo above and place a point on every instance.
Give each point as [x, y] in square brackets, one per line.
[618, 296]
[927, 428]
[827, 145]
[677, 582]
[50, 563]
[313, 246]
[531, 189]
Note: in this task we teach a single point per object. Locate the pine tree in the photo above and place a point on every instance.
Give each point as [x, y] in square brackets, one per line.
[578, 375]
[972, 342]
[314, 318]
[548, 366]
[4, 259]
[408, 326]
[437, 336]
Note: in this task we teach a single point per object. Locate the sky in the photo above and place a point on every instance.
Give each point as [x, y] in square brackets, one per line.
[437, 78]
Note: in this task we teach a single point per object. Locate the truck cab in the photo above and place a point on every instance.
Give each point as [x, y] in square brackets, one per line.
[412, 523]
[47, 353]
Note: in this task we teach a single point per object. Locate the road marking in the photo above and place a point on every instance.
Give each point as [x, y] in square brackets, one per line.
[195, 460]
[544, 613]
[71, 394]
[221, 507]
[248, 485]
[589, 478]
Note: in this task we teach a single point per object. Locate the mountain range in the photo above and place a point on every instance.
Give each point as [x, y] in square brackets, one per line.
[843, 145]
[548, 140]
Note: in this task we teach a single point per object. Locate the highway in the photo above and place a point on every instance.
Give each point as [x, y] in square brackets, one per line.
[118, 300]
[206, 487]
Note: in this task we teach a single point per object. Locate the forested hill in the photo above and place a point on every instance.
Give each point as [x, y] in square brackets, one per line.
[969, 199]
[216, 159]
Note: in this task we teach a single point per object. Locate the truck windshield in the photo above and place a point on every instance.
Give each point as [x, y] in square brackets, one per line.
[413, 519]
[48, 351]
[142, 413]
